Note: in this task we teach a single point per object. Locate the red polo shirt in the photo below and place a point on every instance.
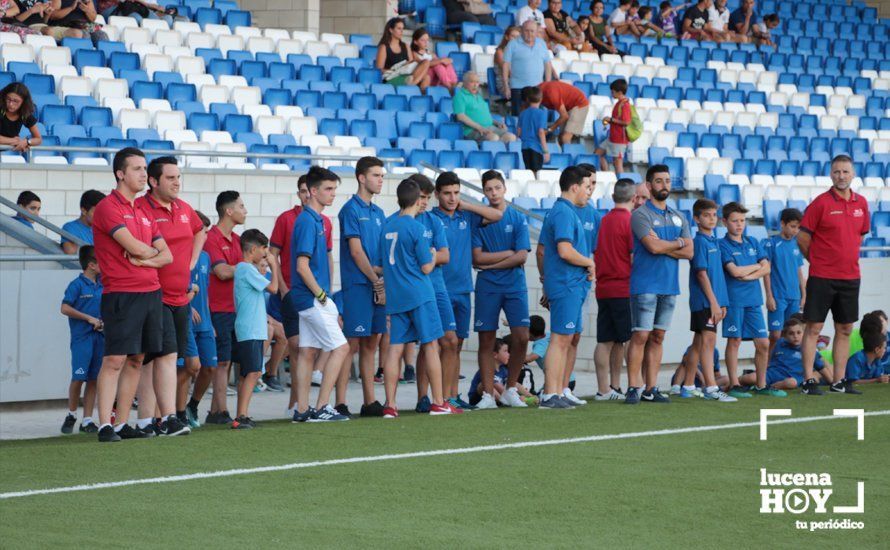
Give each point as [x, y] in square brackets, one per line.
[222, 250]
[836, 226]
[614, 247]
[284, 230]
[115, 212]
[178, 225]
[556, 93]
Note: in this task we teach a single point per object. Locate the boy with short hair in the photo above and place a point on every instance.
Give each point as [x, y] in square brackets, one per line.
[744, 262]
[82, 305]
[82, 227]
[501, 356]
[532, 130]
[615, 145]
[30, 202]
[866, 366]
[251, 328]
[785, 370]
[785, 286]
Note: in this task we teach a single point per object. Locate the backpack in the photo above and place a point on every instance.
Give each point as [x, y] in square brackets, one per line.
[635, 128]
[527, 379]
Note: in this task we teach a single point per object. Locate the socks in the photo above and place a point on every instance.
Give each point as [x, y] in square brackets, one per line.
[688, 388]
[144, 423]
[193, 404]
[86, 420]
[118, 428]
[712, 389]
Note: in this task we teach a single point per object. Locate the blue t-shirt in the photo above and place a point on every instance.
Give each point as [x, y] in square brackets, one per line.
[737, 17]
[707, 258]
[530, 121]
[25, 221]
[404, 250]
[526, 62]
[789, 359]
[562, 224]
[85, 296]
[785, 259]
[250, 303]
[79, 230]
[458, 272]
[590, 219]
[434, 231]
[500, 377]
[509, 233]
[858, 367]
[309, 240]
[539, 348]
[656, 273]
[364, 221]
[201, 302]
[745, 253]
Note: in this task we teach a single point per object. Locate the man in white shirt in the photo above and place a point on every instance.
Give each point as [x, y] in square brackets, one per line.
[531, 11]
[718, 17]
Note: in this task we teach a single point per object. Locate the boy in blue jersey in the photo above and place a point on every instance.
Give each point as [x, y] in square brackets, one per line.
[460, 219]
[29, 201]
[745, 263]
[661, 239]
[708, 299]
[566, 269]
[532, 130]
[82, 227]
[866, 366]
[311, 281]
[408, 259]
[785, 371]
[82, 305]
[500, 250]
[361, 277]
[785, 286]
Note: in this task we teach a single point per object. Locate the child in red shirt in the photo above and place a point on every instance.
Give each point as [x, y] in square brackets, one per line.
[615, 145]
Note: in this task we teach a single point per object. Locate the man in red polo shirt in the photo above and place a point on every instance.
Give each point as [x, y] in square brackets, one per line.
[130, 250]
[183, 232]
[830, 237]
[570, 103]
[224, 248]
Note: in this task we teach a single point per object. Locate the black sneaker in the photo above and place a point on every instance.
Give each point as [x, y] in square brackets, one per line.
[149, 431]
[243, 423]
[845, 386]
[410, 376]
[225, 417]
[174, 426]
[653, 396]
[220, 418]
[811, 387]
[182, 416]
[302, 416]
[343, 410]
[129, 432]
[107, 435]
[68, 424]
[90, 428]
[374, 409]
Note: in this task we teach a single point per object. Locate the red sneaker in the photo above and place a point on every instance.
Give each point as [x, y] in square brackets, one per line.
[390, 412]
[454, 410]
[444, 408]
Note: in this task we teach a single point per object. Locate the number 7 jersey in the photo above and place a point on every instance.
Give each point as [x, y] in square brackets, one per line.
[403, 250]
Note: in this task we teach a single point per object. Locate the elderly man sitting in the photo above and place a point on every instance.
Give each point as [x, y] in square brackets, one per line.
[471, 110]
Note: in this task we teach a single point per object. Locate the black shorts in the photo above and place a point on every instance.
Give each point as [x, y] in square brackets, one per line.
[224, 326]
[175, 332]
[840, 296]
[613, 320]
[290, 317]
[700, 321]
[133, 322]
[532, 159]
[250, 352]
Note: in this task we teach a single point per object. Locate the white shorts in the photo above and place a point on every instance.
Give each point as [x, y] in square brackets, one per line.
[319, 327]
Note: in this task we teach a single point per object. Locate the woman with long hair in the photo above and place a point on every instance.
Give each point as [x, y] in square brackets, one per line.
[441, 70]
[17, 110]
[511, 33]
[393, 52]
[599, 33]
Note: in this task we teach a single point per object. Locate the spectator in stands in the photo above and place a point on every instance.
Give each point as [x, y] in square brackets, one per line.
[30, 202]
[641, 195]
[526, 63]
[396, 60]
[17, 110]
[770, 22]
[618, 18]
[532, 129]
[562, 31]
[634, 22]
[468, 11]
[82, 227]
[530, 12]
[75, 18]
[137, 9]
[441, 71]
[615, 145]
[645, 24]
[696, 23]
[9, 22]
[570, 103]
[33, 14]
[471, 110]
[599, 32]
[667, 18]
[512, 33]
[744, 22]
[718, 16]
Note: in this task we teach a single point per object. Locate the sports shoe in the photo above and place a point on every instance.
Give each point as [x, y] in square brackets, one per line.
[392, 412]
[676, 389]
[611, 396]
[555, 401]
[316, 378]
[260, 386]
[511, 398]
[343, 409]
[273, 383]
[571, 398]
[68, 424]
[444, 408]
[129, 432]
[423, 406]
[173, 427]
[463, 405]
[373, 409]
[845, 386]
[719, 396]
[378, 376]
[147, 431]
[410, 375]
[654, 396]
[230, 391]
[738, 392]
[617, 390]
[487, 402]
[108, 435]
[772, 392]
[687, 394]
[243, 423]
[89, 428]
[327, 414]
[302, 416]
[191, 415]
[811, 387]
[632, 397]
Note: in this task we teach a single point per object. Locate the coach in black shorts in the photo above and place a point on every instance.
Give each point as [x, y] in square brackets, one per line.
[830, 238]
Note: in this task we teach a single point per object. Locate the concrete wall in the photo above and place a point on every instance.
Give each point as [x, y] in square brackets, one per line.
[356, 16]
[287, 14]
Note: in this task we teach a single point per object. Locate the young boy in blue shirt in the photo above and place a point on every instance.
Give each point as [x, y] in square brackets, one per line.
[82, 305]
[745, 263]
[532, 130]
[785, 285]
[501, 355]
[408, 259]
[785, 370]
[82, 227]
[708, 299]
[251, 328]
[866, 366]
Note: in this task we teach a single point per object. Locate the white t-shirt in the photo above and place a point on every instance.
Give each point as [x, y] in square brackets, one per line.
[618, 16]
[719, 21]
[525, 13]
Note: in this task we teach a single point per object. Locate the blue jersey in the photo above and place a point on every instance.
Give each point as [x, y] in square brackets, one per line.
[858, 367]
[500, 377]
[789, 359]
[742, 254]
[79, 230]
[656, 273]
[434, 231]
[201, 302]
[562, 224]
[362, 221]
[85, 296]
[530, 121]
[250, 303]
[510, 233]
[785, 260]
[404, 250]
[309, 240]
[590, 218]
[706, 258]
[459, 227]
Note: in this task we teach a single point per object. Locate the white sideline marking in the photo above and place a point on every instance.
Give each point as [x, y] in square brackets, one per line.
[417, 454]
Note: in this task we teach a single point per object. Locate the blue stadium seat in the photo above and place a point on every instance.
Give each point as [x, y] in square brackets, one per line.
[449, 160]
[82, 142]
[363, 129]
[67, 131]
[141, 134]
[201, 122]
[282, 141]
[234, 124]
[146, 90]
[727, 193]
[332, 127]
[386, 124]
[123, 60]
[95, 116]
[238, 18]
[205, 16]
[40, 83]
[88, 58]
[712, 185]
[421, 130]
[480, 160]
[221, 110]
[106, 134]
[505, 162]
[58, 114]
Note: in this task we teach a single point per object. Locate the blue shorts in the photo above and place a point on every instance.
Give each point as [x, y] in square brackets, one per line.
[775, 375]
[273, 307]
[567, 313]
[201, 345]
[651, 311]
[744, 322]
[784, 310]
[490, 304]
[460, 305]
[224, 326]
[290, 315]
[86, 357]
[421, 324]
[251, 354]
[446, 314]
[363, 317]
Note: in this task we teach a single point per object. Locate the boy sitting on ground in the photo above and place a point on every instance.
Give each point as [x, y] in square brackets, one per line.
[785, 371]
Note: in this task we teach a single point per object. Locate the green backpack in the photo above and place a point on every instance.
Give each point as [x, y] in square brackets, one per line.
[635, 128]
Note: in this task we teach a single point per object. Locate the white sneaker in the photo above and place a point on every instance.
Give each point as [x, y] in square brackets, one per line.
[719, 396]
[316, 378]
[676, 389]
[487, 402]
[511, 398]
[611, 396]
[567, 393]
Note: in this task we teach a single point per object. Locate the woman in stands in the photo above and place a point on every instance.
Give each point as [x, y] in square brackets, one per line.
[9, 11]
[599, 33]
[396, 60]
[17, 110]
[441, 70]
[512, 33]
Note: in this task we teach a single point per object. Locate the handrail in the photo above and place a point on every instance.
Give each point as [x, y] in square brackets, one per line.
[37, 258]
[40, 221]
